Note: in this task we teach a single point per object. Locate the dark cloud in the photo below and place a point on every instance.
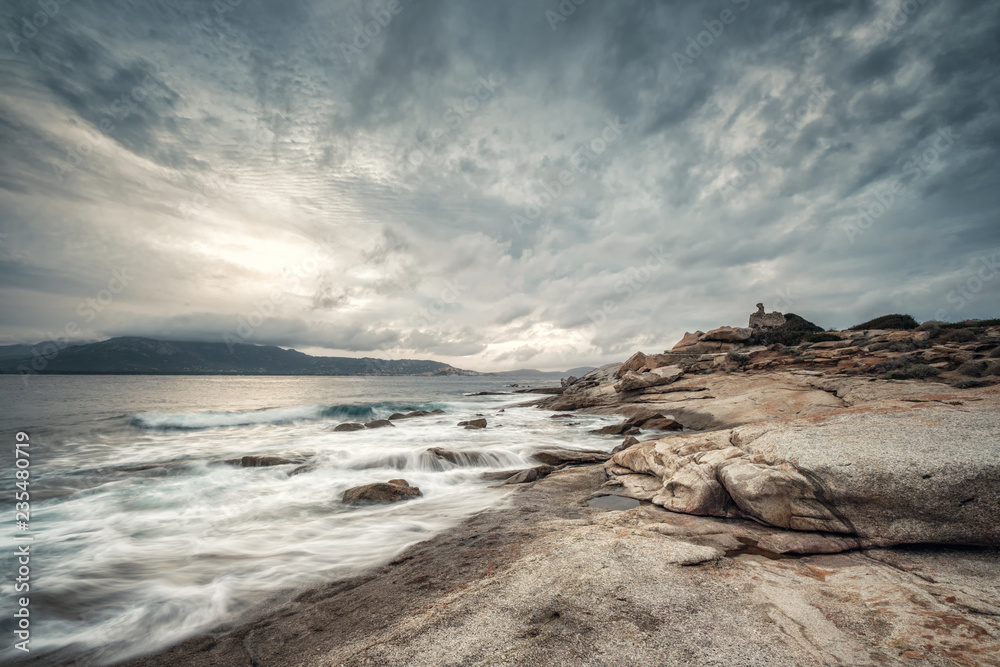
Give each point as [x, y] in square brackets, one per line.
[387, 201]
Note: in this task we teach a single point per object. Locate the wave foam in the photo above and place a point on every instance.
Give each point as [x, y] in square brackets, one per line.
[199, 420]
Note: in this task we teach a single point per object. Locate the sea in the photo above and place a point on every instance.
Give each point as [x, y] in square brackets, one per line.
[140, 535]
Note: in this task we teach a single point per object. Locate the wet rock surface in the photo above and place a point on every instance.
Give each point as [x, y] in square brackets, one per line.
[349, 426]
[392, 491]
[557, 456]
[257, 461]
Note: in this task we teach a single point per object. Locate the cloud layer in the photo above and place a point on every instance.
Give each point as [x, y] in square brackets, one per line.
[493, 184]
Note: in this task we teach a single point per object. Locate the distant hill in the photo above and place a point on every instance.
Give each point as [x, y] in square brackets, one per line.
[548, 375]
[131, 355]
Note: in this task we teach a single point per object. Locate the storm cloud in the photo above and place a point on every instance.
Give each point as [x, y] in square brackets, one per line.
[543, 184]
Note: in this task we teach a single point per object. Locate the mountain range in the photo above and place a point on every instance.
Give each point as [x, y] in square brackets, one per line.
[133, 355]
[130, 355]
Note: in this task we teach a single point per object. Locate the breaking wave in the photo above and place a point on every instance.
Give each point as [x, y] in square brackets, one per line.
[199, 420]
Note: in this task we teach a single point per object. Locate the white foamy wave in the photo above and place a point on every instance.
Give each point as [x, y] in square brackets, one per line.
[198, 420]
[170, 540]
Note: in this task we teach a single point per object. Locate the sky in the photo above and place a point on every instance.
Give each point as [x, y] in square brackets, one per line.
[495, 185]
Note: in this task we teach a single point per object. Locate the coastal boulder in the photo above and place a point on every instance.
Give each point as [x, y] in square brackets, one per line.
[391, 492]
[688, 340]
[634, 363]
[379, 423]
[349, 426]
[728, 334]
[662, 424]
[927, 474]
[408, 415]
[613, 429]
[632, 381]
[558, 456]
[626, 443]
[473, 423]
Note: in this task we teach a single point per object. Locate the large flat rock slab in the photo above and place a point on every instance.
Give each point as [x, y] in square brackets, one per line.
[928, 472]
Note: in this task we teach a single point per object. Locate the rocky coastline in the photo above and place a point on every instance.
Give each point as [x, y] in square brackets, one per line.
[788, 496]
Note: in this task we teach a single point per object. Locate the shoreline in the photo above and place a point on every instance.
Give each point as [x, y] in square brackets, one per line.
[543, 578]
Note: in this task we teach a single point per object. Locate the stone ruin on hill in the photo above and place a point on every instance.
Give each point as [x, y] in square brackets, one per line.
[761, 321]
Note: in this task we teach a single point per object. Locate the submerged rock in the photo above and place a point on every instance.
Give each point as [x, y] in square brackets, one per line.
[613, 429]
[408, 415]
[458, 458]
[349, 426]
[391, 492]
[255, 461]
[379, 423]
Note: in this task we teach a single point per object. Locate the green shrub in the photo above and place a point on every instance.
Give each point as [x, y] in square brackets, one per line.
[913, 371]
[897, 346]
[788, 338]
[959, 336]
[970, 323]
[972, 368]
[893, 364]
[969, 383]
[894, 321]
[820, 337]
[741, 359]
[795, 323]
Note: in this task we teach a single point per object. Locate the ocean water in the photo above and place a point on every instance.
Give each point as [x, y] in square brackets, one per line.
[142, 537]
